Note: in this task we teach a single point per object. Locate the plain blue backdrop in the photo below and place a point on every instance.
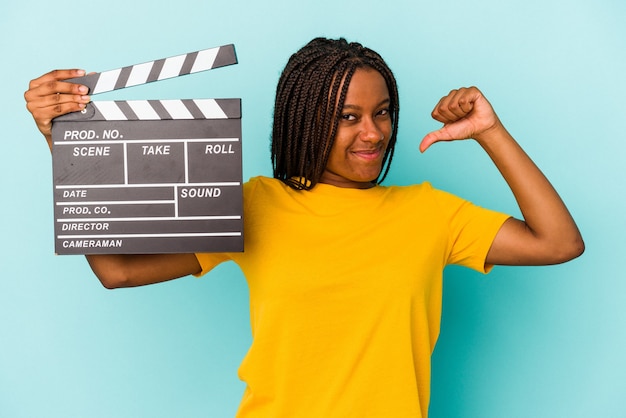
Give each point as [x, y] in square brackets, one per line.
[536, 342]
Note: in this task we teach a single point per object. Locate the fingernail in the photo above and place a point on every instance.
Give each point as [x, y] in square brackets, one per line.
[85, 98]
[80, 72]
[83, 89]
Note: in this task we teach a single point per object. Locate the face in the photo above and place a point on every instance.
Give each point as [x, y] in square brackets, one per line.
[356, 157]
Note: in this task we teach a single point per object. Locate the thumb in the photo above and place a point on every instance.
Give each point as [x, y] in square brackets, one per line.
[432, 137]
[460, 129]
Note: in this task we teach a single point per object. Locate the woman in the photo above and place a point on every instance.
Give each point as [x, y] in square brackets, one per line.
[345, 275]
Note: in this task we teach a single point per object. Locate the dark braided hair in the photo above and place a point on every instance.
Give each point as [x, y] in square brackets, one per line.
[309, 99]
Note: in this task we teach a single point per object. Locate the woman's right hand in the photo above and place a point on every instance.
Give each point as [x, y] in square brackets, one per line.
[49, 96]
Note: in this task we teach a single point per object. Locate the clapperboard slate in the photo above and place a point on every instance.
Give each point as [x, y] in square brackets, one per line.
[149, 176]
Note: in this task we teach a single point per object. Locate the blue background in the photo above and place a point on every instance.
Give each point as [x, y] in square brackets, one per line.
[521, 342]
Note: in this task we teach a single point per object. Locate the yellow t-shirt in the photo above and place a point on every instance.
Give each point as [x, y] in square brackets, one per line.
[345, 294]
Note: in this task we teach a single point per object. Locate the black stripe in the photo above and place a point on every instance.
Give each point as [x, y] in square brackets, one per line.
[90, 80]
[126, 110]
[159, 109]
[88, 114]
[96, 113]
[188, 64]
[231, 107]
[122, 79]
[225, 56]
[156, 70]
[193, 109]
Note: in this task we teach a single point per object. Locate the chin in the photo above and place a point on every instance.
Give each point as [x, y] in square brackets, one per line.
[369, 177]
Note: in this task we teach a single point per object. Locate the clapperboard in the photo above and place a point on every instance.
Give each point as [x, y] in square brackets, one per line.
[149, 176]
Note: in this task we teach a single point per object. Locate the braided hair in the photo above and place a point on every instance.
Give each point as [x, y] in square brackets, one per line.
[309, 99]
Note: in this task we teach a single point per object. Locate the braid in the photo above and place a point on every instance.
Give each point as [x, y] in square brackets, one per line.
[310, 94]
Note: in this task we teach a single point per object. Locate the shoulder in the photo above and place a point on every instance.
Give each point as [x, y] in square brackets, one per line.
[426, 191]
[420, 191]
[263, 191]
[428, 200]
[262, 184]
[263, 180]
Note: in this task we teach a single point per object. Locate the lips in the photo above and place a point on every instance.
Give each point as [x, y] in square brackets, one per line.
[369, 154]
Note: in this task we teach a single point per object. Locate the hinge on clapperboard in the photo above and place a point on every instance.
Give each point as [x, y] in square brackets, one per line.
[149, 176]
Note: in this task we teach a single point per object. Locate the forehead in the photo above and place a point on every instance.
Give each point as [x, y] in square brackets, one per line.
[367, 84]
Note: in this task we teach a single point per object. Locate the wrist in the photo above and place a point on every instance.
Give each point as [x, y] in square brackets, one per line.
[49, 140]
[493, 135]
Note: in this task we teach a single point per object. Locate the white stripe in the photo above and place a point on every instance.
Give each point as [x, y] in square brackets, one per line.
[176, 109]
[204, 60]
[137, 141]
[180, 235]
[143, 110]
[154, 218]
[110, 110]
[117, 202]
[210, 109]
[107, 80]
[139, 74]
[172, 66]
[126, 186]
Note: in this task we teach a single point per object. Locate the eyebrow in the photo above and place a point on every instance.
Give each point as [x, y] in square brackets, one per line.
[351, 106]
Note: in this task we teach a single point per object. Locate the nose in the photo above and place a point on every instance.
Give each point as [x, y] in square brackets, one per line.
[370, 131]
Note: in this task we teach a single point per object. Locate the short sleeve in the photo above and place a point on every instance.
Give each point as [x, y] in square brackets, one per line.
[209, 260]
[472, 230]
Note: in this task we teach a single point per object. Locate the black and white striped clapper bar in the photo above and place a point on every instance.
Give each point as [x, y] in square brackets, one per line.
[149, 176]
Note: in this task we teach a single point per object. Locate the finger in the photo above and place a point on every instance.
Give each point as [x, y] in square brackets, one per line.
[52, 105]
[442, 134]
[43, 116]
[427, 141]
[45, 90]
[56, 75]
[63, 98]
[458, 130]
[45, 109]
[466, 102]
[49, 96]
[57, 104]
[447, 110]
[52, 88]
[459, 105]
[439, 112]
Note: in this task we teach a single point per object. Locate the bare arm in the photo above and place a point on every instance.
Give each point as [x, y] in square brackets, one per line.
[548, 234]
[48, 97]
[129, 270]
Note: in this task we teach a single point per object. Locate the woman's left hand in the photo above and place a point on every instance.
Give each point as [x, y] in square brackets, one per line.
[465, 113]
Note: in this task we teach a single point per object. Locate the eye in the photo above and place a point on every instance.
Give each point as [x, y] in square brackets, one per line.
[348, 117]
[383, 112]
